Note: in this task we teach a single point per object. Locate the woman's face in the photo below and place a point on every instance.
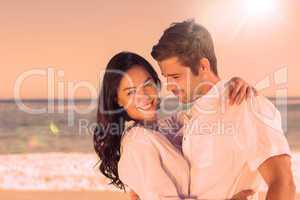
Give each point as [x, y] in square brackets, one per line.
[138, 94]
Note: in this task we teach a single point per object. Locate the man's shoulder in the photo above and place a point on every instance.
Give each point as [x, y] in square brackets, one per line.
[255, 104]
[258, 109]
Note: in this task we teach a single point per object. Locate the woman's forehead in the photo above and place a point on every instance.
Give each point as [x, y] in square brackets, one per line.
[134, 77]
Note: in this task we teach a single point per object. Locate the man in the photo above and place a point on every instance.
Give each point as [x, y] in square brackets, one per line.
[230, 148]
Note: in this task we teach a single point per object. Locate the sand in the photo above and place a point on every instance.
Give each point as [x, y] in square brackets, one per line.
[61, 195]
[60, 176]
[74, 195]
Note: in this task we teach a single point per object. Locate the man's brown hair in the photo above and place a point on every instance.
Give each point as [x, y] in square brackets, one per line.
[189, 42]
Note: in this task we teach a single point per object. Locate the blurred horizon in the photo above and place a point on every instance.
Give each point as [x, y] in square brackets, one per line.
[67, 127]
[90, 99]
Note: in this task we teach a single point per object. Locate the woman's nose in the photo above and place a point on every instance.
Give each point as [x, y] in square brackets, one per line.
[143, 96]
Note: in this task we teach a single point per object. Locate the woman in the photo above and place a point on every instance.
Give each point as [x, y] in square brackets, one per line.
[128, 140]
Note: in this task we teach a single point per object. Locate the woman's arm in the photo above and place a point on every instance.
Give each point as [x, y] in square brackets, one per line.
[239, 90]
[243, 195]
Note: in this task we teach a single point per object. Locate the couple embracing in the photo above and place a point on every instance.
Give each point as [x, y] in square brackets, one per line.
[224, 143]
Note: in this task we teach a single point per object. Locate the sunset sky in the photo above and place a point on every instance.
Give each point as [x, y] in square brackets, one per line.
[252, 41]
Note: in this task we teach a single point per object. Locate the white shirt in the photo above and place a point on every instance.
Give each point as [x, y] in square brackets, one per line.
[152, 167]
[225, 144]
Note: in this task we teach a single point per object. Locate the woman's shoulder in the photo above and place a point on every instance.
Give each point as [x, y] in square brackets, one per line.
[136, 136]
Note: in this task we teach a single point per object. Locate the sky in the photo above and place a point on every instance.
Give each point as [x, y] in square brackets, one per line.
[256, 41]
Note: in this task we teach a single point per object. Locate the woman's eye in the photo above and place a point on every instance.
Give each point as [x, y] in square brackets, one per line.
[131, 93]
[149, 83]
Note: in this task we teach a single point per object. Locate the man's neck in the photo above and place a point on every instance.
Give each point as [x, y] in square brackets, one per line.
[211, 82]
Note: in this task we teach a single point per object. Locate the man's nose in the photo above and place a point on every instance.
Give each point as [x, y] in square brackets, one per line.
[171, 86]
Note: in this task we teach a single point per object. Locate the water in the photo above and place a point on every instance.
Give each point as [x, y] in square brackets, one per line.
[21, 132]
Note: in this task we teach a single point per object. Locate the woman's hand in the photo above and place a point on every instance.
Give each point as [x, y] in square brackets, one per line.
[243, 195]
[239, 90]
[133, 195]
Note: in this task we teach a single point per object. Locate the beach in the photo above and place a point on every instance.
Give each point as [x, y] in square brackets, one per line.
[54, 176]
[74, 195]
[57, 176]
[61, 195]
[42, 157]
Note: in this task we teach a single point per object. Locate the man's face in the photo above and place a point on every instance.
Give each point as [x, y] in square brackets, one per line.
[180, 79]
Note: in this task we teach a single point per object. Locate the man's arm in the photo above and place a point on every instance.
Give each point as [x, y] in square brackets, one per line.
[267, 147]
[277, 173]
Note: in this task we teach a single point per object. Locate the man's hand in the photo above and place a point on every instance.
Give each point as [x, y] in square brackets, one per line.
[239, 90]
[277, 173]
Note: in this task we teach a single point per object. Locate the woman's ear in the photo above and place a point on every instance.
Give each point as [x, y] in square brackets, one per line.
[119, 102]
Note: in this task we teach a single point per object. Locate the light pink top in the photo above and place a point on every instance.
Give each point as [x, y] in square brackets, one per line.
[226, 144]
[152, 167]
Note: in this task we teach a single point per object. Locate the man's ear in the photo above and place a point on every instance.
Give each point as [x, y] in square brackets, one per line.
[204, 65]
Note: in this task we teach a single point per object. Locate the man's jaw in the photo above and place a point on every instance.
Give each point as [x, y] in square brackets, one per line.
[182, 97]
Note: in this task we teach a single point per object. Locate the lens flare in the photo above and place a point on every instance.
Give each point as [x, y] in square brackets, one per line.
[260, 8]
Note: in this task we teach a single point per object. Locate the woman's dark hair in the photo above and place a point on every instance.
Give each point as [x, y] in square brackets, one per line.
[111, 117]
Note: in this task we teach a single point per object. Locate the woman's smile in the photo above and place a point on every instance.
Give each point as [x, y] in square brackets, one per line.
[146, 107]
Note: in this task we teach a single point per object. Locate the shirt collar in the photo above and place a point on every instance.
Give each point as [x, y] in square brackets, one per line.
[211, 102]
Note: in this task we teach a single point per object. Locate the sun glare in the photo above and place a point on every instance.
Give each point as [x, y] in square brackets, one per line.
[260, 8]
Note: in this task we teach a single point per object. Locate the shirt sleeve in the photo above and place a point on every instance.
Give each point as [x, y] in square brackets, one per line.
[142, 169]
[265, 137]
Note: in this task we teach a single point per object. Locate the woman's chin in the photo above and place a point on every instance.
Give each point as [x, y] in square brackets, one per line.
[149, 116]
